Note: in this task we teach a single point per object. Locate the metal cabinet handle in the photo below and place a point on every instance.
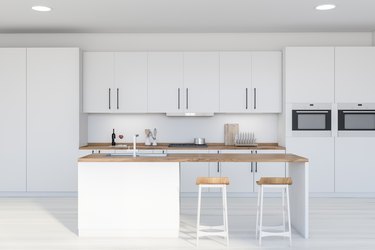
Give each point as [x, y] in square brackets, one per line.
[247, 99]
[109, 98]
[218, 168]
[256, 167]
[118, 105]
[255, 98]
[187, 98]
[179, 99]
[251, 167]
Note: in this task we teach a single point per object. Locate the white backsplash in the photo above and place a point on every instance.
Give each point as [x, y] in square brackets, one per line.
[180, 129]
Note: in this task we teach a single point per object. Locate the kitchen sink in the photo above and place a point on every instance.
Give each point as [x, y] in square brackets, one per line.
[130, 154]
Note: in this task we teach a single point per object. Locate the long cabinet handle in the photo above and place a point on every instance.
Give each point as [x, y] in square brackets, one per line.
[251, 167]
[118, 103]
[179, 98]
[218, 168]
[187, 98]
[255, 98]
[109, 98]
[247, 99]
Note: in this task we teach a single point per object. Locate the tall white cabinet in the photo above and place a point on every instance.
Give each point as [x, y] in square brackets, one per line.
[13, 119]
[52, 119]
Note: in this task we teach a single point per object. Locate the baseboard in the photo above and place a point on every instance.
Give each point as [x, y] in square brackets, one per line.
[38, 194]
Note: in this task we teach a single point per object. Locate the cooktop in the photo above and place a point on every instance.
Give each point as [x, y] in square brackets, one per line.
[186, 145]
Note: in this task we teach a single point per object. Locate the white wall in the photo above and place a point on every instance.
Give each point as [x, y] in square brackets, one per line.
[180, 129]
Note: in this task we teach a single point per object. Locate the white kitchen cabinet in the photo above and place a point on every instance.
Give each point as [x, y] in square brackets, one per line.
[355, 164]
[189, 171]
[13, 119]
[130, 82]
[235, 82]
[266, 82]
[309, 74]
[354, 74]
[320, 153]
[165, 82]
[250, 82]
[115, 82]
[98, 82]
[201, 82]
[53, 83]
[243, 175]
[268, 169]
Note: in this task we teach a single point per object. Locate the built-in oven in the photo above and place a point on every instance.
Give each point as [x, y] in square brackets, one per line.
[311, 120]
[356, 120]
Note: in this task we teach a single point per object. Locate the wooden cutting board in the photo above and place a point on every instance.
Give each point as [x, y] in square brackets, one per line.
[230, 131]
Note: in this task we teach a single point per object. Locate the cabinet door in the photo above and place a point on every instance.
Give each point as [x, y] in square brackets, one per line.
[98, 82]
[268, 169]
[309, 74]
[235, 82]
[52, 119]
[354, 159]
[165, 82]
[266, 82]
[189, 171]
[13, 119]
[240, 173]
[355, 74]
[201, 81]
[320, 152]
[131, 82]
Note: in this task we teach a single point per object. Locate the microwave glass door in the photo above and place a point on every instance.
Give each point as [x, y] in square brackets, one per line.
[311, 120]
[356, 120]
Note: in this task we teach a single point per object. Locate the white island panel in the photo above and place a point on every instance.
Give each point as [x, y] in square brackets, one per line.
[134, 199]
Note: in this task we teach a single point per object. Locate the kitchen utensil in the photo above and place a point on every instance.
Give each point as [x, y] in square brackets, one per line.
[230, 131]
[199, 141]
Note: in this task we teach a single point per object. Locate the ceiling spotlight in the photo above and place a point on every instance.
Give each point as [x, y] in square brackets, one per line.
[41, 8]
[325, 7]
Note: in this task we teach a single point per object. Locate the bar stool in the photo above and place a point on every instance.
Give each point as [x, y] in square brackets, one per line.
[222, 230]
[278, 183]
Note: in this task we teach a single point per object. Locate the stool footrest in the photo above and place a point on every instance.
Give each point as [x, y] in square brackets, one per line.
[266, 234]
[279, 228]
[221, 227]
[203, 233]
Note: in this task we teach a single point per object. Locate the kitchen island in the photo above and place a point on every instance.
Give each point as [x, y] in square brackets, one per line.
[123, 196]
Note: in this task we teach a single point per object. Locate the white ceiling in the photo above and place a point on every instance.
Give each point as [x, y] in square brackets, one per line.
[164, 16]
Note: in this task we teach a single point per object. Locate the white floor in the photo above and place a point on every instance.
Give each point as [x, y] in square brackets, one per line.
[51, 223]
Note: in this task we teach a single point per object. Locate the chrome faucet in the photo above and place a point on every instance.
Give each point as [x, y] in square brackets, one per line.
[135, 145]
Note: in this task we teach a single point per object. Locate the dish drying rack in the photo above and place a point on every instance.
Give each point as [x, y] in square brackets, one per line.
[245, 139]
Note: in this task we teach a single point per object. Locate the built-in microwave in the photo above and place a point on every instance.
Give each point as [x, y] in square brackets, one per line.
[356, 119]
[311, 120]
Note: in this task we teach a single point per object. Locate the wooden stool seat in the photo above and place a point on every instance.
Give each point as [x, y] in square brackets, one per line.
[212, 180]
[275, 181]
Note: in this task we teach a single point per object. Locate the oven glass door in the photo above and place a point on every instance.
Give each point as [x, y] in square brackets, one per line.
[356, 120]
[311, 120]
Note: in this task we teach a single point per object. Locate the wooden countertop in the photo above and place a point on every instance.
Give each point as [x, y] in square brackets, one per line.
[198, 158]
[164, 146]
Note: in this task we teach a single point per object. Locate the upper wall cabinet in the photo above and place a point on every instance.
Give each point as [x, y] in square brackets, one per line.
[250, 82]
[309, 74]
[115, 82]
[201, 81]
[355, 74]
[183, 82]
[165, 82]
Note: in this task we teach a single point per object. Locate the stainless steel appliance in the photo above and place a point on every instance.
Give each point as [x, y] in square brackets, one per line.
[311, 120]
[356, 119]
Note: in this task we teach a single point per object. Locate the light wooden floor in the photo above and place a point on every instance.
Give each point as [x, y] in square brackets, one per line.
[51, 224]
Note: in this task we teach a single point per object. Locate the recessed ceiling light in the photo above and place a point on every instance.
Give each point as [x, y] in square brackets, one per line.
[41, 8]
[325, 7]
